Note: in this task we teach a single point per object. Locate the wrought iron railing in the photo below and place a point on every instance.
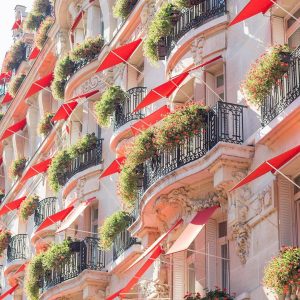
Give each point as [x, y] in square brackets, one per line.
[46, 207]
[123, 241]
[284, 92]
[224, 123]
[124, 111]
[85, 255]
[18, 247]
[84, 161]
[194, 17]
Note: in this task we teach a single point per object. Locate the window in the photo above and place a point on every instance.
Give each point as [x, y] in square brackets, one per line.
[220, 86]
[94, 221]
[293, 30]
[224, 254]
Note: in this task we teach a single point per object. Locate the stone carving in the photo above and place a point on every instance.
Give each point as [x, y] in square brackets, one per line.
[96, 81]
[147, 13]
[80, 187]
[197, 50]
[62, 44]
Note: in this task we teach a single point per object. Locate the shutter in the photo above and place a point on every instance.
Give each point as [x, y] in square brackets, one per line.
[209, 88]
[211, 253]
[285, 198]
[179, 275]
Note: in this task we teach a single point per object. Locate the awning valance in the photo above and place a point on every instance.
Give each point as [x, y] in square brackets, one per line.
[57, 217]
[114, 167]
[253, 8]
[37, 169]
[40, 85]
[65, 111]
[270, 165]
[13, 129]
[192, 230]
[34, 53]
[150, 120]
[11, 206]
[7, 98]
[83, 96]
[119, 55]
[9, 292]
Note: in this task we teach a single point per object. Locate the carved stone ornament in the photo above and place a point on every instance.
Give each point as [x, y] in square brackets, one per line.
[62, 43]
[197, 50]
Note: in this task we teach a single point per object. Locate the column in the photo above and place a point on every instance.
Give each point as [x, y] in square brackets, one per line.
[32, 118]
[75, 131]
[44, 102]
[93, 23]
[8, 155]
[199, 86]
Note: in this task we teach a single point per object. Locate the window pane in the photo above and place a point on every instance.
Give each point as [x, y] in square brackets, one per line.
[225, 269]
[192, 278]
[220, 80]
[222, 229]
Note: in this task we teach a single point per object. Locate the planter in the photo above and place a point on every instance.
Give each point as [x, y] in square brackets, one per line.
[75, 246]
[162, 49]
[175, 15]
[285, 57]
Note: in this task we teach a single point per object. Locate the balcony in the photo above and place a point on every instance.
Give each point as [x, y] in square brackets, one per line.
[190, 18]
[224, 124]
[124, 111]
[18, 248]
[46, 208]
[284, 92]
[85, 256]
[122, 242]
[84, 161]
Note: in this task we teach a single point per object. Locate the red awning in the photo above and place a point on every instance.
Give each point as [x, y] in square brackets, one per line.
[155, 244]
[114, 167]
[40, 85]
[5, 76]
[119, 55]
[253, 8]
[163, 90]
[77, 20]
[156, 253]
[11, 206]
[65, 111]
[7, 98]
[83, 96]
[192, 230]
[57, 217]
[146, 122]
[17, 24]
[21, 269]
[34, 53]
[9, 292]
[74, 215]
[13, 129]
[37, 169]
[269, 166]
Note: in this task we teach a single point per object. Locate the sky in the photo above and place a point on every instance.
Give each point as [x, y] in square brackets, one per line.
[7, 17]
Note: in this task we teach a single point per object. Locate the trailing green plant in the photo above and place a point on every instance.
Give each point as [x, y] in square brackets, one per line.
[282, 273]
[1, 116]
[57, 169]
[41, 9]
[45, 124]
[264, 74]
[86, 143]
[111, 227]
[17, 167]
[174, 129]
[15, 84]
[42, 33]
[159, 28]
[122, 8]
[17, 54]
[5, 237]
[42, 263]
[88, 50]
[28, 206]
[106, 106]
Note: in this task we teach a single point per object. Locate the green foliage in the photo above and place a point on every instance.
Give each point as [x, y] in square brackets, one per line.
[282, 273]
[45, 125]
[65, 67]
[174, 129]
[17, 54]
[42, 7]
[15, 84]
[5, 237]
[28, 206]
[264, 74]
[159, 28]
[111, 227]
[42, 263]
[105, 107]
[87, 143]
[17, 167]
[121, 9]
[1, 116]
[42, 33]
[33, 21]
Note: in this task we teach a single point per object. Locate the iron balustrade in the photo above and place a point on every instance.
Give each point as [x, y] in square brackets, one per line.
[18, 247]
[84, 161]
[224, 123]
[284, 92]
[193, 17]
[124, 110]
[123, 241]
[85, 255]
[46, 207]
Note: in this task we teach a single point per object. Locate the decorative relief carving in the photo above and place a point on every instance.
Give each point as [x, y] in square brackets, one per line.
[80, 187]
[197, 50]
[62, 43]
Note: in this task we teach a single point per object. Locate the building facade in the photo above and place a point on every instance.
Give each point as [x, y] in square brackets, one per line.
[64, 195]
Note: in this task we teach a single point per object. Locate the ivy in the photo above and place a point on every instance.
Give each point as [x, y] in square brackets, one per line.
[17, 167]
[45, 124]
[15, 84]
[28, 206]
[5, 237]
[17, 54]
[42, 33]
